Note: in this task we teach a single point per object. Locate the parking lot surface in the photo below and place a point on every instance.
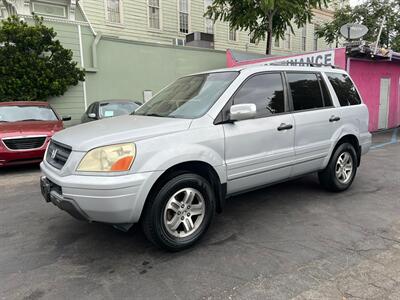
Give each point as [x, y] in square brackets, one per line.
[292, 240]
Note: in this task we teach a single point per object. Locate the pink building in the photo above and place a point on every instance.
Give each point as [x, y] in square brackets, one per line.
[377, 77]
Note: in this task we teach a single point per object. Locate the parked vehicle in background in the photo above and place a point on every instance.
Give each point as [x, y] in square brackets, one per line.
[25, 130]
[109, 108]
[203, 138]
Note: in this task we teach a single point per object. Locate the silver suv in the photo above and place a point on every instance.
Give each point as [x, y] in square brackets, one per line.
[206, 137]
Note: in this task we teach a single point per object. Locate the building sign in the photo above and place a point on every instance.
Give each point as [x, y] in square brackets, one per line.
[318, 58]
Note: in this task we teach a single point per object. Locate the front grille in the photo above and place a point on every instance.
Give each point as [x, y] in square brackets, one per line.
[57, 154]
[25, 143]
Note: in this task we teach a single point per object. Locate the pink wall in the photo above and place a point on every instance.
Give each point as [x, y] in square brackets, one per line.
[367, 76]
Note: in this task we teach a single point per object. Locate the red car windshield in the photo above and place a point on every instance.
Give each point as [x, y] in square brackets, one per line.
[26, 113]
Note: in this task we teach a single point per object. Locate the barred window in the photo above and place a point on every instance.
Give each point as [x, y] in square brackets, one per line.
[184, 16]
[154, 14]
[114, 11]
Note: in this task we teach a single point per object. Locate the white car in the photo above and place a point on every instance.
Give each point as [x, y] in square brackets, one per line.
[205, 137]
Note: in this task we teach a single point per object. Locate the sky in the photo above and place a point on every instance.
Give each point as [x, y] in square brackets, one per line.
[355, 2]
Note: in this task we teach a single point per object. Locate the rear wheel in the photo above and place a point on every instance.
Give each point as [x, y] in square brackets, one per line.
[341, 170]
[178, 215]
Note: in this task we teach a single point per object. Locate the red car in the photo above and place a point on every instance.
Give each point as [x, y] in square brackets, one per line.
[25, 130]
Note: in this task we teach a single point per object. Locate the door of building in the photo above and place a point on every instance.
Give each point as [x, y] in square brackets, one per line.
[384, 103]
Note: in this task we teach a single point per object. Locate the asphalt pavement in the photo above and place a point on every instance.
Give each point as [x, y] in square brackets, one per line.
[292, 240]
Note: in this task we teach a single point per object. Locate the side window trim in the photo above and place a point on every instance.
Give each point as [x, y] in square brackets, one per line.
[222, 116]
[290, 94]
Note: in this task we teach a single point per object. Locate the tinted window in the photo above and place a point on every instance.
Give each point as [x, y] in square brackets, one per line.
[26, 113]
[306, 91]
[344, 89]
[188, 97]
[265, 91]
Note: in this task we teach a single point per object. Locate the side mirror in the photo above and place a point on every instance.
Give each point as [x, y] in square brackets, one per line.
[66, 118]
[242, 111]
[92, 116]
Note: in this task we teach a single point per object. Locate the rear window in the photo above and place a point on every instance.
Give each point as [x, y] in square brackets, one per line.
[344, 89]
[114, 109]
[306, 91]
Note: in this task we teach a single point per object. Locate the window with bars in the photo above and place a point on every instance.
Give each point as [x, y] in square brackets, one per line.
[114, 11]
[184, 16]
[154, 14]
[208, 23]
[232, 34]
[304, 38]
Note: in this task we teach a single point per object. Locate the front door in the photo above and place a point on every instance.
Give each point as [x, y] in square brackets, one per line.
[384, 103]
[260, 150]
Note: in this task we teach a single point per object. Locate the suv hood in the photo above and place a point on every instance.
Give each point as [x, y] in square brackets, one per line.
[117, 130]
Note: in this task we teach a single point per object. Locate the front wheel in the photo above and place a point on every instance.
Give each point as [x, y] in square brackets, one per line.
[341, 170]
[178, 215]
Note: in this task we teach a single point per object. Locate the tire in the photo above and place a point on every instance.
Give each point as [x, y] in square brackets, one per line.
[166, 217]
[341, 170]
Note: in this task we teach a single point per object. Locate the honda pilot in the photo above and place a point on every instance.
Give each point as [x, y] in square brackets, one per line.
[208, 136]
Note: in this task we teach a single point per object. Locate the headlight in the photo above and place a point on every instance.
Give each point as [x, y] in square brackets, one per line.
[115, 158]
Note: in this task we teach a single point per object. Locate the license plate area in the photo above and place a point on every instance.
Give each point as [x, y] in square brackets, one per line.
[46, 187]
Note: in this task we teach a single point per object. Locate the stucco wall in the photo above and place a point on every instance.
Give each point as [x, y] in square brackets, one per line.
[367, 76]
[127, 68]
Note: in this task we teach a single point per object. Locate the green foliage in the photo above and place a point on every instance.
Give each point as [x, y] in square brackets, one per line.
[33, 64]
[370, 13]
[264, 17]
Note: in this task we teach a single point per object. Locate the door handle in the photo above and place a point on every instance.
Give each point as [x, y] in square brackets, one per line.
[334, 119]
[284, 126]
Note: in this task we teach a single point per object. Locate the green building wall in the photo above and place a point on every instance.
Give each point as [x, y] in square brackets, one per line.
[124, 69]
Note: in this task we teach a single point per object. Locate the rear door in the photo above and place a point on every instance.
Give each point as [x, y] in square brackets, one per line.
[316, 120]
[260, 150]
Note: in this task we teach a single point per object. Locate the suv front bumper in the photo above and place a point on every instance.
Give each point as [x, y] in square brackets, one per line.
[108, 199]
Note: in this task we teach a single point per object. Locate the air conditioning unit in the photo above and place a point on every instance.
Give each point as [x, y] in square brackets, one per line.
[200, 39]
[178, 42]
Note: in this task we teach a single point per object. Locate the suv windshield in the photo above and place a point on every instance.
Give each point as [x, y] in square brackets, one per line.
[26, 113]
[188, 97]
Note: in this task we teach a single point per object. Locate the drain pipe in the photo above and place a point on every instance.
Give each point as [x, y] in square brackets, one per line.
[94, 50]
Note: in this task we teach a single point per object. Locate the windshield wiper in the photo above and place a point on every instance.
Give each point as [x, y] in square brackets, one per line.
[30, 120]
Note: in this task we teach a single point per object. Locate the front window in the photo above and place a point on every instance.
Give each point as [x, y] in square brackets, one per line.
[154, 14]
[184, 16]
[208, 23]
[232, 33]
[26, 113]
[188, 97]
[304, 38]
[51, 10]
[287, 39]
[114, 11]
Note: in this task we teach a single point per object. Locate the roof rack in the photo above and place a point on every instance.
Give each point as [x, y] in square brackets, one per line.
[294, 63]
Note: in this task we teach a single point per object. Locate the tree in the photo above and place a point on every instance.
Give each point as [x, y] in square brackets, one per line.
[370, 13]
[33, 64]
[264, 17]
